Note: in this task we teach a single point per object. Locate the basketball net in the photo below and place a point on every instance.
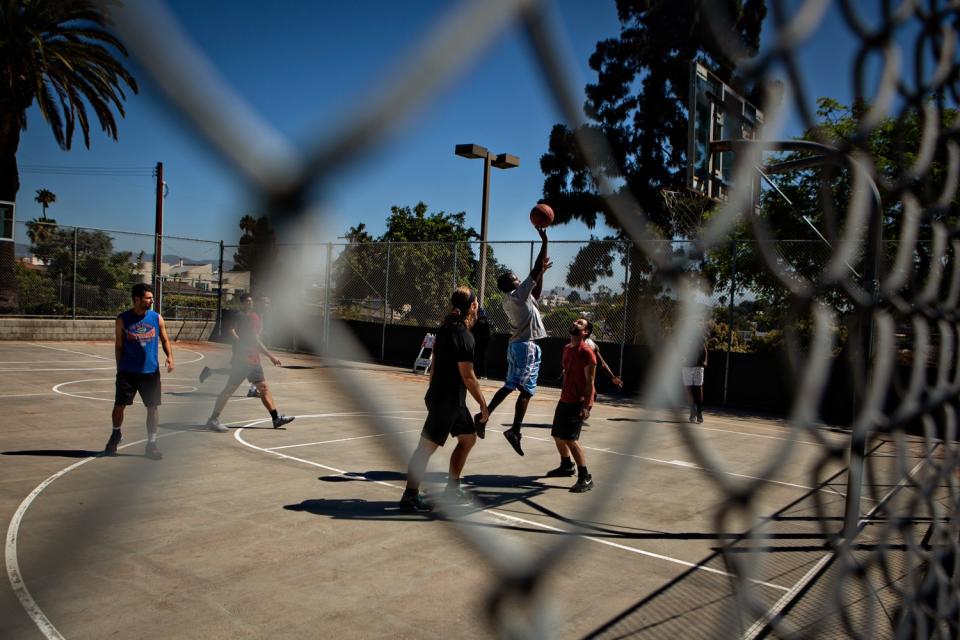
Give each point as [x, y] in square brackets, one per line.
[686, 208]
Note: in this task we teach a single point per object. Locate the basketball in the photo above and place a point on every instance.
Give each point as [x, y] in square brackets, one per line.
[541, 215]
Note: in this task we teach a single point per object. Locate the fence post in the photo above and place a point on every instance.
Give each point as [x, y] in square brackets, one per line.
[75, 244]
[454, 265]
[626, 301]
[733, 292]
[530, 268]
[220, 294]
[326, 301]
[386, 304]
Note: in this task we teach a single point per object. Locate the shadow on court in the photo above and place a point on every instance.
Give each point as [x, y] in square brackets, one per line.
[54, 453]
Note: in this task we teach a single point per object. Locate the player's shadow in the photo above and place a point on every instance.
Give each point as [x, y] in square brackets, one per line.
[357, 509]
[54, 453]
[650, 420]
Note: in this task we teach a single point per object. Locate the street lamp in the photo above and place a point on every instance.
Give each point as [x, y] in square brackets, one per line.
[500, 161]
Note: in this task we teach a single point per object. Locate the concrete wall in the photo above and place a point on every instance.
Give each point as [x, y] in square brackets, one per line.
[65, 329]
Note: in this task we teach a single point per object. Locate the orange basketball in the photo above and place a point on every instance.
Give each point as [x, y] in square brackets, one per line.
[541, 215]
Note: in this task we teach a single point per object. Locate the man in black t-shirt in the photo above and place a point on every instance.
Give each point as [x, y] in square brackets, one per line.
[451, 376]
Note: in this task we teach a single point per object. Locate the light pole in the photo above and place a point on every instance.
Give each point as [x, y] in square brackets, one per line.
[500, 161]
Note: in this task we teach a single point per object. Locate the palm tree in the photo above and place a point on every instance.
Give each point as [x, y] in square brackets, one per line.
[59, 54]
[46, 198]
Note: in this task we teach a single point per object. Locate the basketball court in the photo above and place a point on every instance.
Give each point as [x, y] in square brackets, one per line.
[296, 532]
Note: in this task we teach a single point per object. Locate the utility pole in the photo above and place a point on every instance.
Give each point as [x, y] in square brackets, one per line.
[158, 239]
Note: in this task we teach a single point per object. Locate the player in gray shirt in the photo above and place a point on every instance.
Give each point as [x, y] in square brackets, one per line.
[523, 352]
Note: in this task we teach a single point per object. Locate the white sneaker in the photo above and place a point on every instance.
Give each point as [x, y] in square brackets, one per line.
[215, 425]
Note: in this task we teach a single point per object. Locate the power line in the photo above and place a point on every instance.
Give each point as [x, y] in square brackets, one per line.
[119, 171]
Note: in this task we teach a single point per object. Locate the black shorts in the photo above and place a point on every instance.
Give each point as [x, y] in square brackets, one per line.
[130, 384]
[444, 420]
[241, 370]
[567, 421]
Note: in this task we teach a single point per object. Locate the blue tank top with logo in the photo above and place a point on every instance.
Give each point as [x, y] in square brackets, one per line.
[141, 336]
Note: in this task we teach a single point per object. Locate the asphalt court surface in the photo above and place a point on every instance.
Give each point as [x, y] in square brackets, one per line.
[295, 532]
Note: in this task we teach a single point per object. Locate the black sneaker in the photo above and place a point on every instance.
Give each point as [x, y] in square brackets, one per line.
[111, 448]
[481, 427]
[561, 472]
[415, 504]
[513, 437]
[253, 392]
[583, 485]
[153, 451]
[279, 421]
[699, 416]
[205, 374]
[693, 416]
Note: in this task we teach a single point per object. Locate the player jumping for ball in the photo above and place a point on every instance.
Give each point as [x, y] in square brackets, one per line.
[523, 352]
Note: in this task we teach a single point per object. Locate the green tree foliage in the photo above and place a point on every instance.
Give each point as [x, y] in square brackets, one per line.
[428, 253]
[104, 274]
[638, 104]
[58, 54]
[45, 197]
[819, 198]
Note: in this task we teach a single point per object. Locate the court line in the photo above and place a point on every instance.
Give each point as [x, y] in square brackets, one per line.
[56, 389]
[493, 512]
[14, 574]
[378, 435]
[79, 353]
[24, 395]
[760, 625]
[113, 366]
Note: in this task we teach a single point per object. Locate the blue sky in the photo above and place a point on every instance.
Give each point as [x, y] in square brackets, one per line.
[301, 65]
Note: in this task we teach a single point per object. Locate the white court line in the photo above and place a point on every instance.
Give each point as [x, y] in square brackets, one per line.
[494, 512]
[79, 353]
[112, 366]
[760, 625]
[13, 565]
[24, 395]
[310, 444]
[38, 362]
[57, 389]
[691, 466]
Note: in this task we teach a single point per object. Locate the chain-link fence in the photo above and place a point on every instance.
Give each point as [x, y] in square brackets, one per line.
[900, 553]
[77, 272]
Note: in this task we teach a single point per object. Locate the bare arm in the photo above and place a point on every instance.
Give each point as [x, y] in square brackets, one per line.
[166, 344]
[603, 365]
[590, 371]
[263, 349]
[541, 264]
[118, 341]
[473, 386]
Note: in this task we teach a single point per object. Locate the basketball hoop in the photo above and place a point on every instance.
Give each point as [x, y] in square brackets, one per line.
[686, 209]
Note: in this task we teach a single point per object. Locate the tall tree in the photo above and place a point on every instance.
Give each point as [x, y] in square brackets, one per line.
[45, 197]
[432, 251]
[257, 248]
[59, 54]
[638, 104]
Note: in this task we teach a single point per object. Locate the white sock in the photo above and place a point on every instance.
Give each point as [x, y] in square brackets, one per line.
[151, 437]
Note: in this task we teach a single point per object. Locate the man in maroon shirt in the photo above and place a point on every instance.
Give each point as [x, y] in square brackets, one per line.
[576, 401]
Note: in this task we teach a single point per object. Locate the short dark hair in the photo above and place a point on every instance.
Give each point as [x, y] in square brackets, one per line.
[505, 282]
[245, 296]
[139, 289]
[589, 327]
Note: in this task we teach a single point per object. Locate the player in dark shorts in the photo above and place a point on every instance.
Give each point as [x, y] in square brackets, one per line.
[138, 331]
[576, 401]
[247, 348]
[451, 376]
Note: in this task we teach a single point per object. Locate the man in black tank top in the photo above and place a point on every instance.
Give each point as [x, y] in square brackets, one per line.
[451, 376]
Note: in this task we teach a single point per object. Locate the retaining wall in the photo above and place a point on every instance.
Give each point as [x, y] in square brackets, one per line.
[66, 329]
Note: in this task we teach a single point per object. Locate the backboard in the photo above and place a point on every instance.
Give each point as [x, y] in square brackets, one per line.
[717, 112]
[6, 220]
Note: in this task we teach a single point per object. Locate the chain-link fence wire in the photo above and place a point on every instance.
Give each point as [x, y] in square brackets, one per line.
[65, 271]
[190, 279]
[921, 570]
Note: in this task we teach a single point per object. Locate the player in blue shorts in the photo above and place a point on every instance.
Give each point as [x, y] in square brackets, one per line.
[523, 352]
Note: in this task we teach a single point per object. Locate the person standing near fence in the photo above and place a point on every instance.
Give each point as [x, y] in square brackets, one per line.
[138, 331]
[693, 375]
[576, 402]
[481, 336]
[451, 376]
[523, 352]
[247, 348]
